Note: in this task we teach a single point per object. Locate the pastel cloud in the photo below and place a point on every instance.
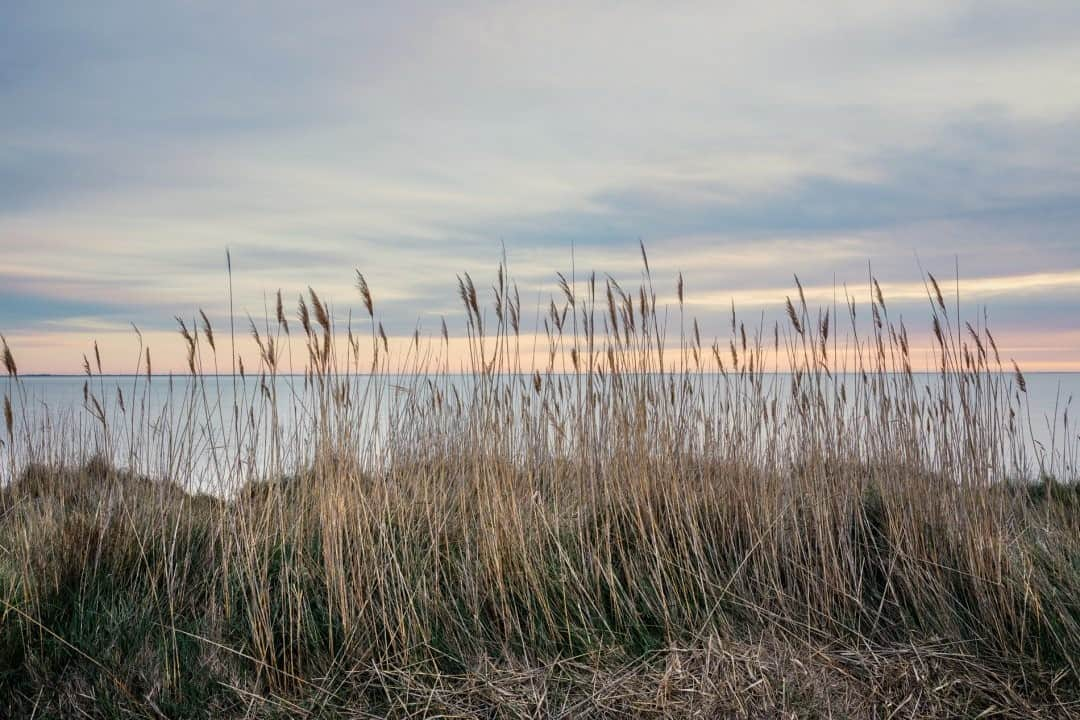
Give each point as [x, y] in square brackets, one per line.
[743, 144]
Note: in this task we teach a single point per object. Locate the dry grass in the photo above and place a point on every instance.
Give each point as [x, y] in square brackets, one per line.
[640, 528]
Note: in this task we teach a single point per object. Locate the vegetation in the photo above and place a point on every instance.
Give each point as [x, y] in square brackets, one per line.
[637, 527]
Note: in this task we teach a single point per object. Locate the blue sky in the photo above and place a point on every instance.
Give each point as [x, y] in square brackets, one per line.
[743, 142]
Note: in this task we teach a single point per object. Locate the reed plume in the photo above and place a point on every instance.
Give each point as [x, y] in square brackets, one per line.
[591, 517]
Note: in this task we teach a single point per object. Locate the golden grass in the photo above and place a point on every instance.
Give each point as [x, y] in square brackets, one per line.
[642, 528]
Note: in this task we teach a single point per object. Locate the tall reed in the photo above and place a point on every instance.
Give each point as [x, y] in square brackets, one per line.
[590, 518]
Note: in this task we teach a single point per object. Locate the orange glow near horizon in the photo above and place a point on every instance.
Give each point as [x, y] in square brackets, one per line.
[62, 353]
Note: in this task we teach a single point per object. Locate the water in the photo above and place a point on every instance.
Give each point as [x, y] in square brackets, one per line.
[172, 428]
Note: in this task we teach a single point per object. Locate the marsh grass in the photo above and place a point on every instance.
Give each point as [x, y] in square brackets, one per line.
[635, 526]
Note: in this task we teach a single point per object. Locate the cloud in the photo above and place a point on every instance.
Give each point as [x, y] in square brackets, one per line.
[20, 311]
[743, 143]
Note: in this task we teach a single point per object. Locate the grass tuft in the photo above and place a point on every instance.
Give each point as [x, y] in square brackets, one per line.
[614, 525]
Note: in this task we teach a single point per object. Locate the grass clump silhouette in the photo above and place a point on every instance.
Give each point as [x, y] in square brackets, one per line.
[627, 526]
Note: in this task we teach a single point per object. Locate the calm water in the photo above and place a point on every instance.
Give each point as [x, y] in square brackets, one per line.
[167, 423]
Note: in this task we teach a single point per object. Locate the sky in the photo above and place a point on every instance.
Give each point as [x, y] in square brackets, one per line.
[743, 143]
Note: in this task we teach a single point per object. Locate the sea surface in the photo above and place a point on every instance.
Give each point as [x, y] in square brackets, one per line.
[168, 421]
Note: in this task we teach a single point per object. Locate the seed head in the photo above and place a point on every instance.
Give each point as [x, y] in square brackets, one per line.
[281, 314]
[365, 293]
[321, 316]
[304, 316]
[9, 418]
[207, 330]
[937, 292]
[793, 316]
[9, 359]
